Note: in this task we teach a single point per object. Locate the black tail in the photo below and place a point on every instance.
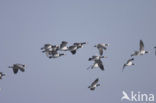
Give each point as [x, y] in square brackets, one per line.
[98, 85]
[73, 52]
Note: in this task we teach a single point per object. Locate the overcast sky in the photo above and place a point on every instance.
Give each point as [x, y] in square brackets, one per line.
[26, 25]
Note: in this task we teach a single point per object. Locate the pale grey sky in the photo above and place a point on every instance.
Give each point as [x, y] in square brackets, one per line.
[26, 25]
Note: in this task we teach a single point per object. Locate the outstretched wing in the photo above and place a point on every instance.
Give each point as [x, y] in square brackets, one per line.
[130, 60]
[123, 67]
[100, 51]
[100, 64]
[95, 82]
[20, 66]
[103, 46]
[63, 44]
[141, 45]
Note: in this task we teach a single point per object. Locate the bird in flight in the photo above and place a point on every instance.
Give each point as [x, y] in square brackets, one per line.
[17, 67]
[63, 46]
[73, 48]
[94, 84]
[128, 63]
[141, 50]
[101, 47]
[93, 58]
[97, 64]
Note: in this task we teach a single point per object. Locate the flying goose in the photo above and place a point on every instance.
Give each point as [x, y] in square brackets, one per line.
[94, 84]
[128, 63]
[63, 46]
[56, 55]
[1, 75]
[46, 47]
[97, 64]
[101, 47]
[17, 67]
[141, 50]
[52, 50]
[93, 58]
[80, 45]
[73, 49]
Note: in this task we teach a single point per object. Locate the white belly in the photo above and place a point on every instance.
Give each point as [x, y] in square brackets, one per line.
[64, 48]
[130, 63]
[142, 52]
[96, 65]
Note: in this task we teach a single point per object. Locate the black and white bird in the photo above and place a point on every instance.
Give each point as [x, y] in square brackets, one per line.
[55, 54]
[93, 58]
[63, 46]
[73, 49]
[101, 47]
[17, 67]
[141, 50]
[1, 75]
[46, 47]
[94, 84]
[128, 63]
[55, 47]
[155, 50]
[80, 45]
[97, 64]
[52, 50]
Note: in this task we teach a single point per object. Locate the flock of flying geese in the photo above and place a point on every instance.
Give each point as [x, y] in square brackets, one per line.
[54, 51]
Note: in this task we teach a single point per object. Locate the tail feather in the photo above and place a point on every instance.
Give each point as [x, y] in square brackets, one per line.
[89, 59]
[98, 85]
[10, 67]
[73, 52]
